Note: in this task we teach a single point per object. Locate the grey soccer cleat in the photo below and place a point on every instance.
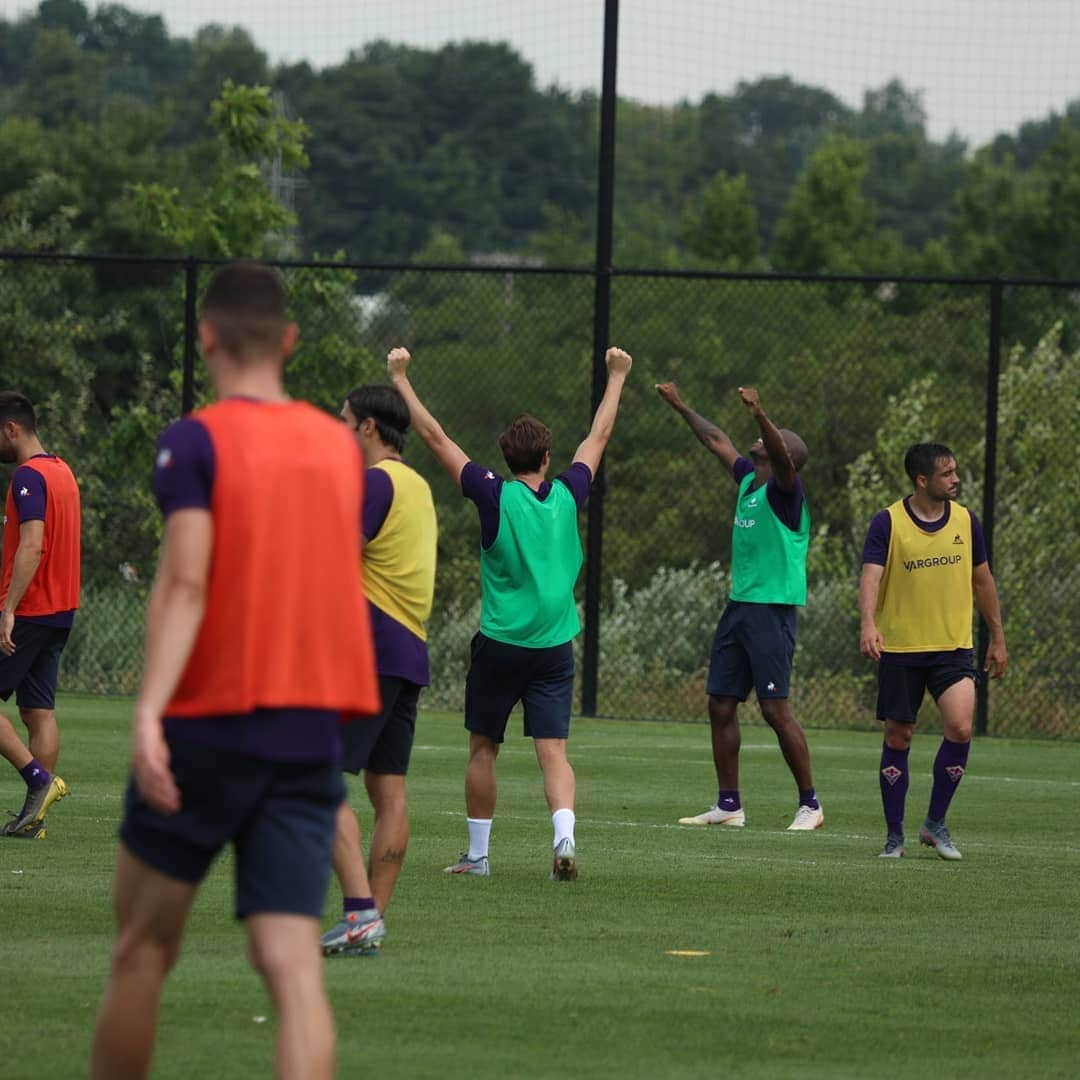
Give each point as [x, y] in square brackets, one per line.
[564, 863]
[894, 846]
[479, 867]
[934, 834]
[38, 801]
[357, 933]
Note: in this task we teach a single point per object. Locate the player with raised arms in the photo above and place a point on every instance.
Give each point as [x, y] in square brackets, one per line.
[257, 645]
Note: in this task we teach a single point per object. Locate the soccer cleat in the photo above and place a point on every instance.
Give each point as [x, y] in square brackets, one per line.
[807, 818]
[894, 846]
[38, 801]
[564, 864]
[465, 865]
[934, 834]
[358, 932]
[715, 816]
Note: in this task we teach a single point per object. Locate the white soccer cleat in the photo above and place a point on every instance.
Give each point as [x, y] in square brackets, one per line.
[715, 816]
[807, 819]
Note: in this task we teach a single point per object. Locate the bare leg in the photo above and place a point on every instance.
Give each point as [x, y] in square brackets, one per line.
[285, 951]
[480, 787]
[44, 735]
[957, 708]
[726, 740]
[151, 910]
[11, 746]
[789, 734]
[391, 834]
[559, 784]
[348, 857]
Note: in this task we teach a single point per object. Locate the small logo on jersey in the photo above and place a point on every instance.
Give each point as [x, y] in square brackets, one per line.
[489, 475]
[24, 491]
[892, 774]
[771, 686]
[164, 459]
[745, 523]
[955, 773]
[957, 540]
[752, 501]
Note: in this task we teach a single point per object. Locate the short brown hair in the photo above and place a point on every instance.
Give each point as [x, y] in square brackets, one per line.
[17, 407]
[247, 306]
[524, 444]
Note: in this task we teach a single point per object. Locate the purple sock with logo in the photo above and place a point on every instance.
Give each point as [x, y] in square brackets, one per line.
[893, 777]
[949, 766]
[808, 798]
[357, 903]
[729, 801]
[35, 774]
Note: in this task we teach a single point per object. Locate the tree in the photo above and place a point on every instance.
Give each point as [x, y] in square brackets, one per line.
[724, 230]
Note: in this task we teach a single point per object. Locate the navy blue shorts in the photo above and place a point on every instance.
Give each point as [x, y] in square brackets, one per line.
[279, 816]
[32, 671]
[753, 647]
[383, 743]
[501, 675]
[901, 689]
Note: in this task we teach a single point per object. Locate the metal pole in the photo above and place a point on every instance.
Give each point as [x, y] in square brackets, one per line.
[993, 375]
[191, 288]
[601, 323]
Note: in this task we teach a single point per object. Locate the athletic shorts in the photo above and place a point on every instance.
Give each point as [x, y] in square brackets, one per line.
[383, 743]
[32, 670]
[501, 675]
[901, 689]
[752, 648]
[279, 816]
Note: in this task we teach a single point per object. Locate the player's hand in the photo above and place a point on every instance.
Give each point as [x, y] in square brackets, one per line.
[7, 628]
[997, 659]
[618, 361]
[150, 767]
[670, 393]
[871, 642]
[750, 399]
[397, 362]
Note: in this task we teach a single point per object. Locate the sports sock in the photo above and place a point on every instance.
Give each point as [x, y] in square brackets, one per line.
[479, 837]
[35, 774]
[808, 798]
[948, 772]
[562, 821]
[358, 904]
[729, 801]
[893, 777]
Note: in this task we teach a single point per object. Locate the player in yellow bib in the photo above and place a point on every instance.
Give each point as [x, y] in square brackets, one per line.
[924, 561]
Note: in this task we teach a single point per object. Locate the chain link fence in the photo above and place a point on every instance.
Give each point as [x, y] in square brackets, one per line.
[860, 368]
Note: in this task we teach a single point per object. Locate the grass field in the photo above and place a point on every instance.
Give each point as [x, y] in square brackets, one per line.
[821, 960]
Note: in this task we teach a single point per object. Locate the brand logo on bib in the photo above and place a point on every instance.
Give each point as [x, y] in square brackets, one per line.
[745, 523]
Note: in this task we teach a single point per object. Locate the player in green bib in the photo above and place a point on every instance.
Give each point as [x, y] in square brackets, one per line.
[530, 557]
[755, 640]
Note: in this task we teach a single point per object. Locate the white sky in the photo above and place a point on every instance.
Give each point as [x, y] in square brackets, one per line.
[983, 65]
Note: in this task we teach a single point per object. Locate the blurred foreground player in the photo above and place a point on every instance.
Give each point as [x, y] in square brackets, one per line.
[924, 560]
[39, 594]
[257, 642]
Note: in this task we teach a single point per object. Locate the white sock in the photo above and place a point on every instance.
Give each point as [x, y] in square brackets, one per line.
[562, 821]
[479, 837]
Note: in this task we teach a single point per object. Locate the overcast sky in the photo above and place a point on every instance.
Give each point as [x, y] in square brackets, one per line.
[983, 65]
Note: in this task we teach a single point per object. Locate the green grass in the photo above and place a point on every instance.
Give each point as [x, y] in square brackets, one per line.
[823, 961]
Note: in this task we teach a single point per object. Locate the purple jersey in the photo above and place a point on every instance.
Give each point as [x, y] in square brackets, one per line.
[184, 480]
[378, 498]
[483, 487]
[876, 552]
[786, 505]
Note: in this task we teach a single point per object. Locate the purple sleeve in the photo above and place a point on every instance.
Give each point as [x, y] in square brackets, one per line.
[184, 468]
[578, 478]
[786, 505]
[741, 469]
[483, 487]
[29, 494]
[378, 498]
[978, 542]
[876, 546]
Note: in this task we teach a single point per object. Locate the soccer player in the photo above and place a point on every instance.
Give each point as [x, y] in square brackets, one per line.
[400, 534]
[39, 595]
[530, 556]
[257, 643]
[924, 560]
[755, 640]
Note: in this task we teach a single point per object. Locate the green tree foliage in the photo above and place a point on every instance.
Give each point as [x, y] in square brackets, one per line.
[724, 230]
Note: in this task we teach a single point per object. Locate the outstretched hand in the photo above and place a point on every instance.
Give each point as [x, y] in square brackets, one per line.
[618, 361]
[750, 398]
[670, 393]
[397, 362]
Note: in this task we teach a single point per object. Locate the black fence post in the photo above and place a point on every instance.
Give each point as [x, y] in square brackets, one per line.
[594, 545]
[191, 288]
[993, 375]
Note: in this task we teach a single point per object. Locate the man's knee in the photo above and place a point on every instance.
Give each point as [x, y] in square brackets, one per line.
[897, 735]
[722, 710]
[141, 948]
[280, 947]
[776, 713]
[388, 794]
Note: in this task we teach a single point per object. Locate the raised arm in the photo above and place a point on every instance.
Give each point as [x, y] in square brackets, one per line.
[986, 600]
[592, 447]
[870, 640]
[709, 435]
[449, 455]
[779, 456]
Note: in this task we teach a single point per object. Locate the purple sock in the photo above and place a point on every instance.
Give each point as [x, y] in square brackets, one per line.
[808, 798]
[357, 903]
[894, 779]
[35, 774]
[948, 772]
[729, 801]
